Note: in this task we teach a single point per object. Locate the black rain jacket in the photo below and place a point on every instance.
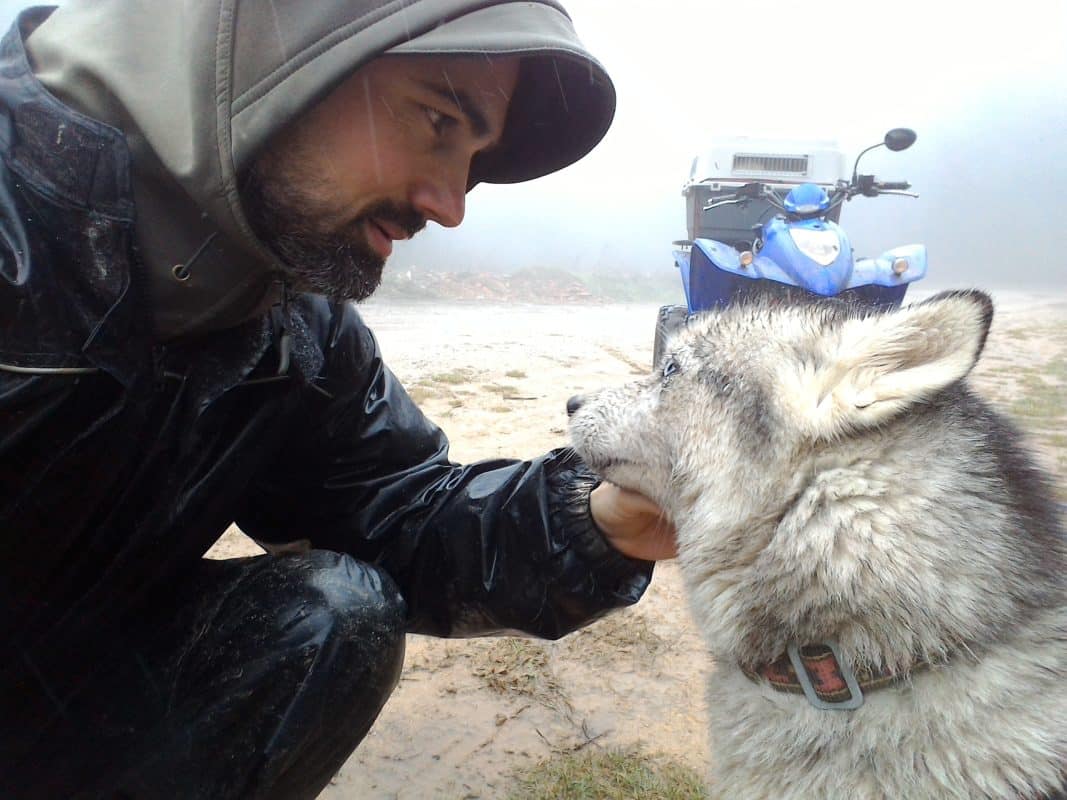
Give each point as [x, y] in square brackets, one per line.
[123, 460]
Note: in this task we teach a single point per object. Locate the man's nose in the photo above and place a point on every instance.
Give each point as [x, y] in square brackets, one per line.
[443, 200]
[573, 405]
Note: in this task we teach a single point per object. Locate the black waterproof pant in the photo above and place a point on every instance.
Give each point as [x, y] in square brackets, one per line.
[256, 678]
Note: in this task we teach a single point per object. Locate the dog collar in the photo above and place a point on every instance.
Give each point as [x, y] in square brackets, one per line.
[819, 673]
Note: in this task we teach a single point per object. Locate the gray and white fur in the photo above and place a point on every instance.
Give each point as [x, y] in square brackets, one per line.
[833, 477]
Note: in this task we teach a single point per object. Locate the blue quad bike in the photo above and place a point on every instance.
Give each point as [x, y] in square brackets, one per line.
[795, 246]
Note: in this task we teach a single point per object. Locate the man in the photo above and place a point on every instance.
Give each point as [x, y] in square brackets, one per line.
[188, 192]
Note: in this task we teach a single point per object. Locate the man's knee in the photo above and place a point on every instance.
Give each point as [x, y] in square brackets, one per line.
[355, 612]
[362, 599]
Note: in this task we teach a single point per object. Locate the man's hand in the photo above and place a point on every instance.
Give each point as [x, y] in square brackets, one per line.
[633, 524]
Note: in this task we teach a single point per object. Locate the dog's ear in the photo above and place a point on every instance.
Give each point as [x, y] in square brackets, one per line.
[879, 365]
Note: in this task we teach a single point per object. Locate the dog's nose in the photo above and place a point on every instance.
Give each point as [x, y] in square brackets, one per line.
[574, 404]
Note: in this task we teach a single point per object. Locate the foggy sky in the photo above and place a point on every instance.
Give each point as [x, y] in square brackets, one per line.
[985, 90]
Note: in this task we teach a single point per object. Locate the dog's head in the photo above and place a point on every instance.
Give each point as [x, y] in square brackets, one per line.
[744, 392]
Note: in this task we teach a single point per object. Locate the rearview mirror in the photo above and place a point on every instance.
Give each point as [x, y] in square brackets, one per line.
[900, 139]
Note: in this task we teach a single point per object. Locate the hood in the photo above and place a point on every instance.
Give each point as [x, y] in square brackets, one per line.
[199, 86]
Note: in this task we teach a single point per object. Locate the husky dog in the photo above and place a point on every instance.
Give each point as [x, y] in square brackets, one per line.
[876, 566]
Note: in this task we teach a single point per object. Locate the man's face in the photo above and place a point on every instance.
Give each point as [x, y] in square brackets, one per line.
[388, 150]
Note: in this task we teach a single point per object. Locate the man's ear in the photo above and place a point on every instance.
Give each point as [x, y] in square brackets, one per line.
[879, 365]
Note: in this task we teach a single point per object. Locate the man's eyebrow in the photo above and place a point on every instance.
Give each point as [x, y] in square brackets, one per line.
[462, 102]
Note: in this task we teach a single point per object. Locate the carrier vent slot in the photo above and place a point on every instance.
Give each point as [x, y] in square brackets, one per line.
[778, 165]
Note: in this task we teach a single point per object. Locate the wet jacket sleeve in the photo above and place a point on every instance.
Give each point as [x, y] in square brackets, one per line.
[488, 547]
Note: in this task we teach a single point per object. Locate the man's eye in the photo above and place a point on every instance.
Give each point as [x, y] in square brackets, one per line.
[440, 122]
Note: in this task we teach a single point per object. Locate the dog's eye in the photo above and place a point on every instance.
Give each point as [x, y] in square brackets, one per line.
[669, 368]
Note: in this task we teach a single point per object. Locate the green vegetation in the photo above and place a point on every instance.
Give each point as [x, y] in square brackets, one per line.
[593, 774]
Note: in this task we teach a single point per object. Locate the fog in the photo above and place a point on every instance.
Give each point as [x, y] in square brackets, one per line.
[984, 89]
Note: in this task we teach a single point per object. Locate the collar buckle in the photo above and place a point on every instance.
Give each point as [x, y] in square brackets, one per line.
[855, 698]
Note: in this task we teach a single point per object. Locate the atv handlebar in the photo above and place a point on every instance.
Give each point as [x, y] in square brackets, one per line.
[844, 190]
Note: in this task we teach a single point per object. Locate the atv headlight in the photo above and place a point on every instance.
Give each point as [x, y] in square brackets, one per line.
[822, 247]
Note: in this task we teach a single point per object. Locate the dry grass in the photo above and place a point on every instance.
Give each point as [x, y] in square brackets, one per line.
[520, 668]
[636, 367]
[595, 774]
[454, 377]
[1057, 369]
[1018, 333]
[500, 388]
[515, 373]
[1039, 407]
[1040, 402]
[622, 633]
[1058, 440]
[1037, 401]
[420, 393]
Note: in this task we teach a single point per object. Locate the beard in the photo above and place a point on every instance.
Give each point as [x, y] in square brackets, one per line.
[336, 261]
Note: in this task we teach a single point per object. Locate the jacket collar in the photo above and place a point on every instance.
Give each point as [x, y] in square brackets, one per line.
[79, 162]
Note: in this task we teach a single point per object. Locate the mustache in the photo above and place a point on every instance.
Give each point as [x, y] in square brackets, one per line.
[402, 215]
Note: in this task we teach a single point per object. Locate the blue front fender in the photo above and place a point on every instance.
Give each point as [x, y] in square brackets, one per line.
[879, 271]
[712, 273]
[728, 260]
